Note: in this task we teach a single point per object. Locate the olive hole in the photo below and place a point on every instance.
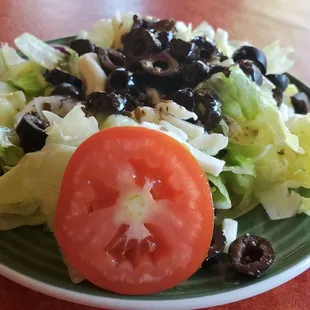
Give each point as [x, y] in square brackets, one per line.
[117, 61]
[161, 64]
[119, 80]
[46, 106]
[251, 254]
[202, 108]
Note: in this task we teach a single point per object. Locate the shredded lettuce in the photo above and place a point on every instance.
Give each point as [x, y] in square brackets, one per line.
[70, 61]
[107, 33]
[28, 77]
[277, 58]
[37, 179]
[187, 33]
[267, 158]
[254, 111]
[122, 24]
[38, 51]
[10, 154]
[102, 33]
[280, 202]
[220, 194]
[304, 206]
[29, 191]
[221, 39]
[10, 104]
[7, 88]
[8, 58]
[210, 144]
[72, 130]
[238, 163]
[230, 230]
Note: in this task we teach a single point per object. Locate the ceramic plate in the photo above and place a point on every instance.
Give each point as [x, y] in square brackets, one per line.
[30, 256]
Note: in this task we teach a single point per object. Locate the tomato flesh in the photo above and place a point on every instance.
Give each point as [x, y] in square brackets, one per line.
[135, 213]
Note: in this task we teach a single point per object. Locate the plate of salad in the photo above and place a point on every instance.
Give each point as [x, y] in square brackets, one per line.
[149, 164]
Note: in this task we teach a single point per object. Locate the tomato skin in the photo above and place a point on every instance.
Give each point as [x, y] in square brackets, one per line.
[185, 240]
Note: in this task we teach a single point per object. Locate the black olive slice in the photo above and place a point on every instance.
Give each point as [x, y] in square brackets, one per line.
[208, 50]
[300, 103]
[82, 46]
[57, 76]
[207, 108]
[140, 43]
[182, 50]
[252, 53]
[251, 255]
[277, 95]
[250, 70]
[216, 69]
[160, 64]
[31, 133]
[120, 81]
[159, 70]
[110, 59]
[139, 99]
[106, 103]
[194, 73]
[146, 23]
[164, 25]
[185, 97]
[152, 23]
[66, 89]
[279, 80]
[217, 246]
[165, 37]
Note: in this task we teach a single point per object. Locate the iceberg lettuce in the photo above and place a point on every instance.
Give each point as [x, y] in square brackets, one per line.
[10, 104]
[29, 191]
[28, 77]
[10, 154]
[267, 158]
[8, 58]
[38, 51]
[277, 58]
[220, 195]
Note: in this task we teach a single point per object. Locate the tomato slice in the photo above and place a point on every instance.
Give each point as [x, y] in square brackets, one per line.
[135, 213]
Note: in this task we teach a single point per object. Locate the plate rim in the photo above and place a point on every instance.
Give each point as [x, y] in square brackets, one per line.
[186, 303]
[171, 304]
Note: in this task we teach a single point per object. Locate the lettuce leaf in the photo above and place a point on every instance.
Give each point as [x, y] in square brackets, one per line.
[221, 39]
[29, 191]
[10, 104]
[8, 58]
[38, 51]
[304, 206]
[267, 157]
[280, 202]
[7, 88]
[70, 61]
[10, 154]
[36, 179]
[10, 221]
[220, 194]
[277, 58]
[28, 77]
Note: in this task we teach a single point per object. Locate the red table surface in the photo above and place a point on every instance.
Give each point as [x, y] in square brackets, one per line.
[261, 22]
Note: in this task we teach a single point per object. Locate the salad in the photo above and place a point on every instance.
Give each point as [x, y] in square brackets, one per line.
[133, 140]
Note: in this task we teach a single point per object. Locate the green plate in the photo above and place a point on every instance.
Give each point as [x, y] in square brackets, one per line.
[30, 256]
